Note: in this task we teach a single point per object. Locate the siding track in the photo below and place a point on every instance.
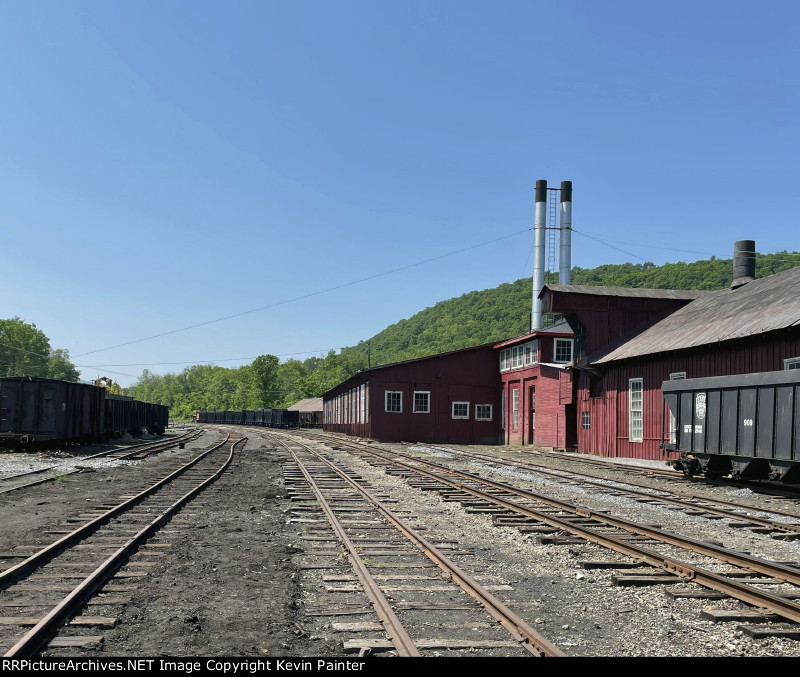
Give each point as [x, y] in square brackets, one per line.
[9, 483]
[376, 540]
[83, 561]
[673, 557]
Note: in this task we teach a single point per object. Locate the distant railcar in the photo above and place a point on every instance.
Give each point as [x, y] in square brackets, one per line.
[268, 418]
[746, 426]
[310, 419]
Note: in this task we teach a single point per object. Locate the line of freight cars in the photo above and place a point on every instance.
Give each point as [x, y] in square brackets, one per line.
[42, 412]
[268, 418]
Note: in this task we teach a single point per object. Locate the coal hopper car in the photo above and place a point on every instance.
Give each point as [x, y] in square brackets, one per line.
[746, 426]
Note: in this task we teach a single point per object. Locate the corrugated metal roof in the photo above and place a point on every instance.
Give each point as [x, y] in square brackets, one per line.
[634, 292]
[766, 304]
[308, 404]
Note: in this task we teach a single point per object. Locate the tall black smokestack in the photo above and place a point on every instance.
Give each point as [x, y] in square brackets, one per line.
[744, 262]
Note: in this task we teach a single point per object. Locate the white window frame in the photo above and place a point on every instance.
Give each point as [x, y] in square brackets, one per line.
[453, 410]
[483, 418]
[555, 350]
[517, 355]
[515, 408]
[531, 350]
[414, 409]
[677, 376]
[386, 394]
[505, 359]
[635, 414]
[586, 420]
[791, 363]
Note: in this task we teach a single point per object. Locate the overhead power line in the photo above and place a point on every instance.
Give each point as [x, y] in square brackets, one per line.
[306, 296]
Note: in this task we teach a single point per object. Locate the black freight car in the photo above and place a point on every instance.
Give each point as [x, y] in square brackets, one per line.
[43, 410]
[310, 419]
[746, 426]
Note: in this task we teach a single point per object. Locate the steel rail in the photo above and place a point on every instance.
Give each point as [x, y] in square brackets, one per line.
[785, 491]
[161, 445]
[31, 642]
[531, 640]
[741, 591]
[676, 497]
[394, 628]
[39, 558]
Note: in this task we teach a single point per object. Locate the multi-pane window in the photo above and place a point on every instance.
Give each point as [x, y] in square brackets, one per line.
[460, 409]
[635, 401]
[531, 349]
[677, 376]
[422, 402]
[586, 420]
[525, 354]
[483, 412]
[563, 351]
[394, 401]
[515, 409]
[791, 363]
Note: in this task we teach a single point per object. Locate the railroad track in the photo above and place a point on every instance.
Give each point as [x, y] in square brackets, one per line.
[783, 491]
[9, 483]
[694, 504]
[658, 556]
[390, 557]
[112, 545]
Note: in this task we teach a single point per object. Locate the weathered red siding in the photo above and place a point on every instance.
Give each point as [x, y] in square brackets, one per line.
[553, 390]
[606, 319]
[608, 434]
[469, 375]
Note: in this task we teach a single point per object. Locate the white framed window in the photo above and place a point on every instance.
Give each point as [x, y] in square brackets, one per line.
[503, 409]
[635, 410]
[505, 360]
[586, 420]
[394, 401]
[677, 376]
[531, 353]
[460, 409]
[422, 402]
[516, 357]
[515, 409]
[791, 363]
[483, 412]
[563, 351]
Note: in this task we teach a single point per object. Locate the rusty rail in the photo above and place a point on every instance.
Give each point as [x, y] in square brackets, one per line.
[33, 640]
[531, 640]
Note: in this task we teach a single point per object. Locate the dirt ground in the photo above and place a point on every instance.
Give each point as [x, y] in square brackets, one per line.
[228, 584]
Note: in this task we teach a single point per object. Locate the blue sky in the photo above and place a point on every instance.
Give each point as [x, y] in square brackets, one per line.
[164, 164]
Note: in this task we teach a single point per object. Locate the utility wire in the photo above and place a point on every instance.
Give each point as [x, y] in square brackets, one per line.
[306, 296]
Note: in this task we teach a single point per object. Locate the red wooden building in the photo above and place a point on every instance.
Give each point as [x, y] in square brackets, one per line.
[753, 327]
[537, 400]
[452, 397]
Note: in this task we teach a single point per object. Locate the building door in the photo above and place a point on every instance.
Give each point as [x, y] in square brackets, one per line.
[571, 426]
[532, 417]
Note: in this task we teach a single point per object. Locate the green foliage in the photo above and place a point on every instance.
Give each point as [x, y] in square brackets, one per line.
[471, 319]
[25, 351]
